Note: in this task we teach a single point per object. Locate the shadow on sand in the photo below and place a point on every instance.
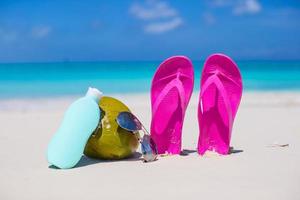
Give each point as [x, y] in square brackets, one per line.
[186, 152]
[232, 150]
[85, 161]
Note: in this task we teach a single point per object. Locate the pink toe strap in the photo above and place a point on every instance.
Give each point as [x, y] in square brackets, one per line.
[214, 79]
[175, 83]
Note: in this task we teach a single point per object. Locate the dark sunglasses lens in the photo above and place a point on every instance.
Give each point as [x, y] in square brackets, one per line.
[149, 150]
[128, 121]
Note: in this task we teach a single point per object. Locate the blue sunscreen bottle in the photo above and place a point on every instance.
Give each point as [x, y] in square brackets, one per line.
[80, 120]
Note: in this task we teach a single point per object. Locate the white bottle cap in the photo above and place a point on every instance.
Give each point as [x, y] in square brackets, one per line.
[95, 93]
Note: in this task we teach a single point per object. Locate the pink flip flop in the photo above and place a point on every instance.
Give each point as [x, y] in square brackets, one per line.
[219, 99]
[171, 90]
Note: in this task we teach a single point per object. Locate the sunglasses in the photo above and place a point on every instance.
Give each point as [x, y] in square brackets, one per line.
[130, 122]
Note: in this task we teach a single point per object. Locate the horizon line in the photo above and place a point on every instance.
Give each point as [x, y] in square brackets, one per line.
[116, 61]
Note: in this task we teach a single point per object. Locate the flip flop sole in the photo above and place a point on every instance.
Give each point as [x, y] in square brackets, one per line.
[219, 99]
[171, 90]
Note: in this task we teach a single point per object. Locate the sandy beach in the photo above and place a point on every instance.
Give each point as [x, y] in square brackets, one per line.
[257, 170]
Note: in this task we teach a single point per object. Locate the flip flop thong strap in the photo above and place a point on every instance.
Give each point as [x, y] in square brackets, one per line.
[224, 75]
[214, 79]
[175, 83]
[172, 76]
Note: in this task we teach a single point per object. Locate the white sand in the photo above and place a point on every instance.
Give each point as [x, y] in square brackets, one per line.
[259, 172]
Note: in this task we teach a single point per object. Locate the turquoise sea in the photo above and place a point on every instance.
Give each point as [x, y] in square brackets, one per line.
[73, 78]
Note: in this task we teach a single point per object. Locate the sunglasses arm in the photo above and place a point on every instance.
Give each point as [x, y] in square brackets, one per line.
[145, 130]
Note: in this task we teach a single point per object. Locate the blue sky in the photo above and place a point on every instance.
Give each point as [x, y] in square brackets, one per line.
[95, 30]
